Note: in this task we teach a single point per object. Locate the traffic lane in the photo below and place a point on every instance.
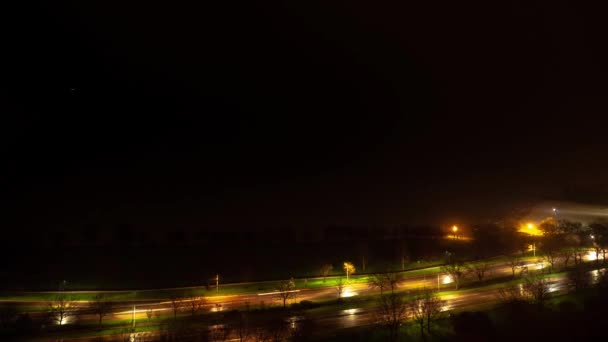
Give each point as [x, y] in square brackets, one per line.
[354, 317]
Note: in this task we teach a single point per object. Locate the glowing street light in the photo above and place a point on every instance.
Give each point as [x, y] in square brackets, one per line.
[349, 268]
[217, 284]
[455, 230]
[530, 228]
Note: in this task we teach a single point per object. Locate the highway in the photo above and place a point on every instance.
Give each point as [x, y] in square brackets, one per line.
[327, 321]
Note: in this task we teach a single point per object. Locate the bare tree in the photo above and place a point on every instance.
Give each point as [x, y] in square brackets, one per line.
[324, 271]
[239, 323]
[551, 247]
[394, 279]
[176, 305]
[382, 281]
[379, 281]
[480, 270]
[550, 257]
[340, 287]
[219, 332]
[61, 308]
[537, 290]
[432, 308]
[286, 290]
[392, 311]
[579, 253]
[457, 271]
[276, 330]
[515, 262]
[426, 308]
[101, 307]
[195, 304]
[261, 335]
[599, 231]
[511, 294]
[579, 279]
[417, 313]
[566, 254]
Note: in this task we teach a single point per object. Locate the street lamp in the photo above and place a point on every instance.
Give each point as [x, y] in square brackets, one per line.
[217, 284]
[531, 226]
[455, 230]
[349, 268]
[133, 314]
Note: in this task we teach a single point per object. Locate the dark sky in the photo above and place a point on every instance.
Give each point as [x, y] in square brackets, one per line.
[300, 113]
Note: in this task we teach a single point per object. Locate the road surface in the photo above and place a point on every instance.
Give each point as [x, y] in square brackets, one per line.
[329, 321]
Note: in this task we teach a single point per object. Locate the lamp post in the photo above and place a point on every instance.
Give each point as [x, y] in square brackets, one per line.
[438, 283]
[217, 284]
[349, 268]
[133, 313]
[455, 230]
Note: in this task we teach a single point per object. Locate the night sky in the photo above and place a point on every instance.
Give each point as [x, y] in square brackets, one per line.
[269, 113]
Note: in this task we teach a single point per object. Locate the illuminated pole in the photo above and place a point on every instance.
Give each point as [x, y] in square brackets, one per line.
[455, 230]
[438, 286]
[217, 284]
[534, 248]
[133, 317]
